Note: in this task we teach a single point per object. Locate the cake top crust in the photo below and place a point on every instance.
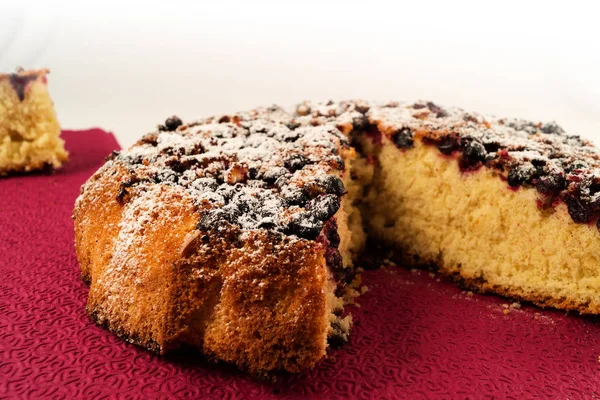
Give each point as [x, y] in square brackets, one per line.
[255, 170]
[280, 170]
[541, 155]
[26, 73]
[21, 78]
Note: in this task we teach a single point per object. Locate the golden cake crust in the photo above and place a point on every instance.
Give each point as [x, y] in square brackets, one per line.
[252, 303]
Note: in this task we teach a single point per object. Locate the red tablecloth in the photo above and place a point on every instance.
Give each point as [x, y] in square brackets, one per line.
[415, 336]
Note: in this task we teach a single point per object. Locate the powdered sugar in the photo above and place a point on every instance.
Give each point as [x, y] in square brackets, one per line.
[254, 169]
[239, 171]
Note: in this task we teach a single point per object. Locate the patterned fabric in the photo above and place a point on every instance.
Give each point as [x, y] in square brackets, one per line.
[415, 337]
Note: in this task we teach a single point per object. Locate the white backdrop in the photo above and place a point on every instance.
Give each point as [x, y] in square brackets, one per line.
[125, 66]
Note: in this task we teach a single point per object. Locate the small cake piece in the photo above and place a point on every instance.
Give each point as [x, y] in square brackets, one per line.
[29, 132]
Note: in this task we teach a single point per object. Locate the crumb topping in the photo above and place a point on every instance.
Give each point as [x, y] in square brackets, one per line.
[541, 155]
[255, 170]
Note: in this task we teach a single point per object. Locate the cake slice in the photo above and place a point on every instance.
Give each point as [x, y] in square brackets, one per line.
[29, 132]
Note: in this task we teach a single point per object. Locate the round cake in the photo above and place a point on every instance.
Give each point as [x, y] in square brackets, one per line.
[239, 234]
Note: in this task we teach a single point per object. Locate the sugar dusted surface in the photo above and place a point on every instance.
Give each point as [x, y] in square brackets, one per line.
[238, 165]
[252, 169]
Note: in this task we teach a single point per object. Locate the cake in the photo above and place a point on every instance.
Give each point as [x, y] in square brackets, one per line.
[29, 132]
[239, 234]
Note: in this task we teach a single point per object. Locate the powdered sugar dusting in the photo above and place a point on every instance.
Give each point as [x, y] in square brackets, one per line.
[255, 170]
[258, 169]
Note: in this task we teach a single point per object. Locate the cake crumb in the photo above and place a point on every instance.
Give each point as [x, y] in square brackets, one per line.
[504, 305]
[470, 294]
[506, 311]
[515, 305]
[431, 274]
[364, 289]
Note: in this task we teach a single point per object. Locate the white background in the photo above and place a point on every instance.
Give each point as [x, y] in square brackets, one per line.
[125, 66]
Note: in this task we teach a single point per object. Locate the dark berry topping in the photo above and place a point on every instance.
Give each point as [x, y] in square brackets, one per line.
[224, 119]
[304, 225]
[324, 207]
[403, 138]
[491, 147]
[331, 233]
[121, 195]
[362, 108]
[266, 223]
[437, 110]
[272, 174]
[578, 210]
[448, 145]
[470, 118]
[171, 124]
[19, 83]
[126, 184]
[526, 126]
[333, 258]
[114, 154]
[181, 165]
[578, 165]
[252, 172]
[151, 139]
[296, 197]
[520, 174]
[333, 185]
[474, 150]
[293, 125]
[552, 127]
[540, 167]
[296, 162]
[339, 164]
[213, 219]
[473, 154]
[551, 184]
[360, 123]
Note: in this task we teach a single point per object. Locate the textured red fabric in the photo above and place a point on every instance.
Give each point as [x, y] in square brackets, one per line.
[415, 336]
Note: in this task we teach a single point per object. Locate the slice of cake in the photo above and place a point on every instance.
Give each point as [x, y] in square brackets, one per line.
[29, 131]
[238, 234]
